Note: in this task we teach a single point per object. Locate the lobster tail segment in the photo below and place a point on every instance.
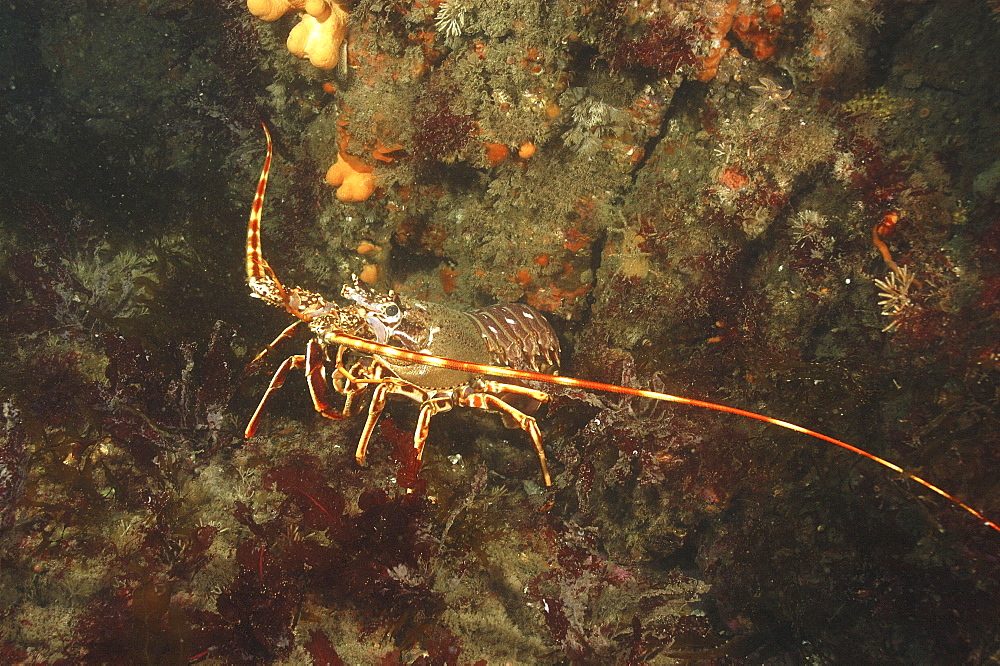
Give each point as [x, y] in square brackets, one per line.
[518, 337]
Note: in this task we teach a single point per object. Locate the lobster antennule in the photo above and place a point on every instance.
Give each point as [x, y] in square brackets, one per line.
[393, 352]
[263, 282]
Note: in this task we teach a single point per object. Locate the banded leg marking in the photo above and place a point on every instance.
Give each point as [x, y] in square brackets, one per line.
[527, 423]
[313, 363]
[496, 388]
[315, 369]
[277, 381]
[284, 335]
[374, 411]
[428, 409]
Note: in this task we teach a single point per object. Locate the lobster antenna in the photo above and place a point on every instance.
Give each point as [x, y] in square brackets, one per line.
[510, 373]
[258, 270]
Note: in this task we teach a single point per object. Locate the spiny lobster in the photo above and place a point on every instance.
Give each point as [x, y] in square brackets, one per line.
[442, 358]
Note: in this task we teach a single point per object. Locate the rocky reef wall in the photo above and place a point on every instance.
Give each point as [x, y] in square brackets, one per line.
[789, 207]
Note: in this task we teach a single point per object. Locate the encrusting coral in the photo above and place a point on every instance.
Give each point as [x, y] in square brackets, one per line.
[317, 36]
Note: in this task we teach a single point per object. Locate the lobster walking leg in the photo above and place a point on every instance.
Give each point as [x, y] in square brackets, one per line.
[527, 423]
[284, 335]
[387, 386]
[374, 411]
[353, 382]
[428, 409]
[277, 381]
[315, 369]
[312, 362]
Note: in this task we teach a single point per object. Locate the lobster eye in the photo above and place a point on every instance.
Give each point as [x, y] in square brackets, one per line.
[391, 310]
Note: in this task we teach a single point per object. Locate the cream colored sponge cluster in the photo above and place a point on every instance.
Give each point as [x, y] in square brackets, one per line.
[318, 34]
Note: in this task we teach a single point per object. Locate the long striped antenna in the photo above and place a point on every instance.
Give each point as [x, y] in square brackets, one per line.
[375, 348]
[263, 282]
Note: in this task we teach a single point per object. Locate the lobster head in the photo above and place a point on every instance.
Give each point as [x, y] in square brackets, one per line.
[382, 312]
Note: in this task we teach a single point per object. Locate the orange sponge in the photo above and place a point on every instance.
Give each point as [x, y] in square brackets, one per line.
[317, 36]
[353, 178]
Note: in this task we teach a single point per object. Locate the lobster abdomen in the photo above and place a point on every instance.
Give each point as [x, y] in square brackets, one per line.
[518, 337]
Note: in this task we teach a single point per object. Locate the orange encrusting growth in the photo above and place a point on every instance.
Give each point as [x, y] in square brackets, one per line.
[750, 31]
[496, 153]
[392, 352]
[320, 33]
[719, 20]
[381, 151]
[710, 63]
[733, 178]
[449, 279]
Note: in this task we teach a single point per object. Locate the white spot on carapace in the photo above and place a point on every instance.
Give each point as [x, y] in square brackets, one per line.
[509, 320]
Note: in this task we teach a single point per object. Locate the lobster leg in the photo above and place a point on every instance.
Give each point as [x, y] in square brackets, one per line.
[428, 409]
[386, 386]
[319, 389]
[374, 411]
[277, 381]
[483, 399]
[497, 388]
[312, 362]
[354, 381]
[285, 334]
[527, 423]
